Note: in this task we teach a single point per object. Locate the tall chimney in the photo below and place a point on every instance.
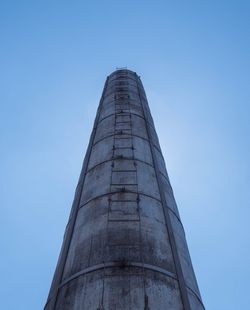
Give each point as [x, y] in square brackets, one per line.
[124, 246]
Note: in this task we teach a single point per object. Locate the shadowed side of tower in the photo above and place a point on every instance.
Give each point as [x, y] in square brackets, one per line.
[124, 246]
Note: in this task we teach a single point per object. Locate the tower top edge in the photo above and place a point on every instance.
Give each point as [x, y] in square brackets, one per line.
[124, 71]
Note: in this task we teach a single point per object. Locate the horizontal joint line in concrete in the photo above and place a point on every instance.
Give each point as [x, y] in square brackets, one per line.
[130, 245]
[115, 170]
[114, 184]
[110, 160]
[124, 114]
[125, 122]
[128, 137]
[103, 266]
[118, 129]
[122, 100]
[132, 192]
[114, 159]
[125, 158]
[127, 220]
[122, 147]
[121, 93]
[118, 264]
[128, 200]
[118, 192]
[123, 90]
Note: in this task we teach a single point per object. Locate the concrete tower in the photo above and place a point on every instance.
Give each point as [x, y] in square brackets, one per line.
[124, 246]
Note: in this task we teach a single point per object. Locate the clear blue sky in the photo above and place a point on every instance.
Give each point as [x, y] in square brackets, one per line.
[193, 58]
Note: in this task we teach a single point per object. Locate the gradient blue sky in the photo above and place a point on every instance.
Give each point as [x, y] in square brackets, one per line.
[193, 58]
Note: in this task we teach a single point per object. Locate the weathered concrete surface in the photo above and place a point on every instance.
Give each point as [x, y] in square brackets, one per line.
[124, 245]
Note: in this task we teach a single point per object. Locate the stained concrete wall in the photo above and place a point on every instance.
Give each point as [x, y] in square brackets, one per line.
[124, 245]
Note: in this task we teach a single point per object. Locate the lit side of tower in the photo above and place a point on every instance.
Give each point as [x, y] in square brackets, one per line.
[124, 246]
